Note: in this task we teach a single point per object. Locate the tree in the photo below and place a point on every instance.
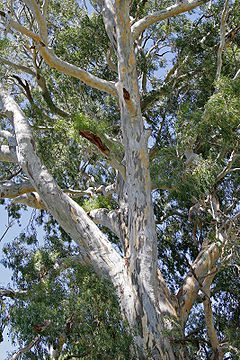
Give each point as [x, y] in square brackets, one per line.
[156, 152]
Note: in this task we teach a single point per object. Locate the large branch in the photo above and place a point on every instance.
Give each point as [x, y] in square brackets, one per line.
[206, 260]
[107, 218]
[10, 189]
[72, 70]
[176, 9]
[63, 66]
[201, 268]
[32, 4]
[94, 247]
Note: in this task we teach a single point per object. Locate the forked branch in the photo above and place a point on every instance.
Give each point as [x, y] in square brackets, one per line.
[173, 10]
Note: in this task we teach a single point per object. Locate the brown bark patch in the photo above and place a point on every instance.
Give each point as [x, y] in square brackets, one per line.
[126, 95]
[95, 139]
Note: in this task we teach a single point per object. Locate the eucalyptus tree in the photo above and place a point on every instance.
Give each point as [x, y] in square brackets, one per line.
[123, 125]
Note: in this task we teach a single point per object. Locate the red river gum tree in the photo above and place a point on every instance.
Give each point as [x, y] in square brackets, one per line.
[156, 316]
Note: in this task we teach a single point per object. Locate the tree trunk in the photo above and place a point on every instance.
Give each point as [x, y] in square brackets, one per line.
[140, 243]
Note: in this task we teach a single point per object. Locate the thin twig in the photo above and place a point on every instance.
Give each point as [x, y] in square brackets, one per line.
[26, 348]
[8, 227]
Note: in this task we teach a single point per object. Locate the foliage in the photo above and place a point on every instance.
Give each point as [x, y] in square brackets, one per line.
[72, 298]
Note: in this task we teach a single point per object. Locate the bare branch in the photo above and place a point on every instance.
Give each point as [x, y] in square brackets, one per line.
[13, 293]
[236, 75]
[209, 319]
[107, 190]
[26, 348]
[204, 262]
[69, 69]
[31, 199]
[32, 4]
[41, 82]
[227, 167]
[176, 9]
[47, 97]
[93, 245]
[18, 27]
[25, 194]
[11, 190]
[17, 66]
[107, 218]
[222, 38]
[10, 223]
[44, 7]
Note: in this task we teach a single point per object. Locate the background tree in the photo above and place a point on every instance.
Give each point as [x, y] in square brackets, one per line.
[122, 128]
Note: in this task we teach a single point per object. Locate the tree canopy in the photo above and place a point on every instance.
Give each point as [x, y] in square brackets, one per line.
[120, 126]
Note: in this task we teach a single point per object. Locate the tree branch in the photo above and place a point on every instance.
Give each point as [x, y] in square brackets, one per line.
[94, 246]
[227, 168]
[10, 223]
[107, 218]
[10, 189]
[47, 97]
[31, 199]
[202, 267]
[25, 194]
[222, 38]
[42, 84]
[32, 4]
[13, 294]
[53, 61]
[44, 7]
[69, 69]
[204, 262]
[176, 9]
[26, 348]
[17, 66]
[9, 137]
[218, 354]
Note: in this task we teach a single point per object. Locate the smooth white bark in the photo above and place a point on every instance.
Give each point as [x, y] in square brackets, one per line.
[173, 10]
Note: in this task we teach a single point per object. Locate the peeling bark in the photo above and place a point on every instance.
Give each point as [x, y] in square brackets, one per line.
[96, 140]
[140, 245]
